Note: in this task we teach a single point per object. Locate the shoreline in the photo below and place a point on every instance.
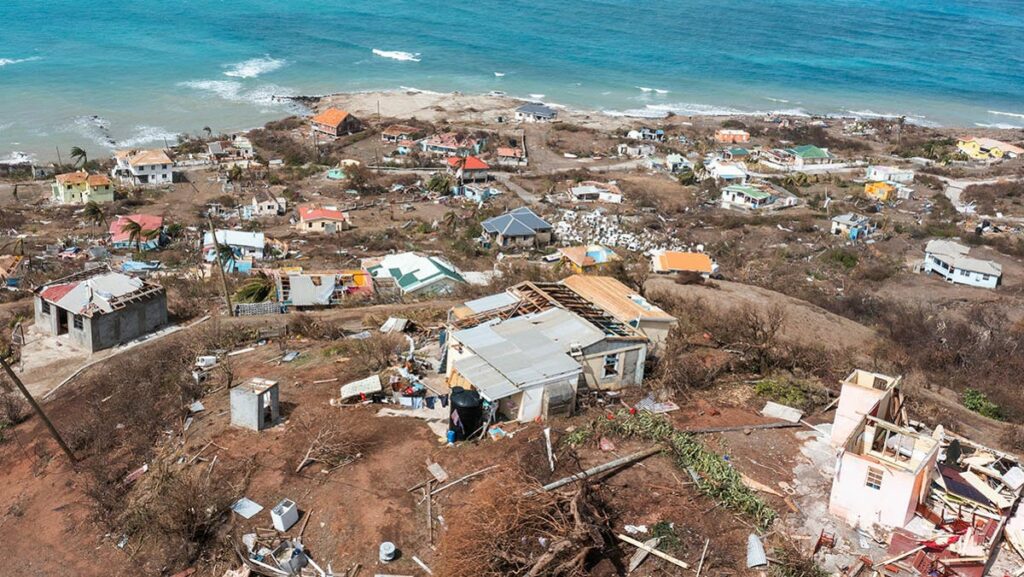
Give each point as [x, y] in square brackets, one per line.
[411, 102]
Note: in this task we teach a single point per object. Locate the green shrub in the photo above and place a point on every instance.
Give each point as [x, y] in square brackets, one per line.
[792, 393]
[842, 257]
[978, 402]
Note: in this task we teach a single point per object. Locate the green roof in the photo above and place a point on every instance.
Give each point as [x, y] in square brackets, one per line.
[755, 193]
[809, 151]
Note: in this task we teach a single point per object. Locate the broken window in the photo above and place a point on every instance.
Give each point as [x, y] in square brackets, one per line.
[78, 321]
[874, 478]
[46, 308]
[611, 365]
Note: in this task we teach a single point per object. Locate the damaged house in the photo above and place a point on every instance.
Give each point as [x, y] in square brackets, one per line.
[296, 288]
[533, 347]
[943, 501]
[99, 309]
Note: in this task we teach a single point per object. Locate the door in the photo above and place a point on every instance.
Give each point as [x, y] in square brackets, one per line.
[62, 321]
[532, 404]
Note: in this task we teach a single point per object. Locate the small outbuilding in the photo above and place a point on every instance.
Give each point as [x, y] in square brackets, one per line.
[255, 404]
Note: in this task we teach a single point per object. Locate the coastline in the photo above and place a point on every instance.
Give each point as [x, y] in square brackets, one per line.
[433, 106]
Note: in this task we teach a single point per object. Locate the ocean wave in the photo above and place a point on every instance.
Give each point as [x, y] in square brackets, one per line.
[499, 74]
[17, 157]
[635, 113]
[231, 90]
[998, 125]
[654, 90]
[913, 119]
[9, 61]
[779, 100]
[536, 96]
[398, 55]
[94, 128]
[694, 109]
[146, 135]
[253, 67]
[415, 90]
[1000, 113]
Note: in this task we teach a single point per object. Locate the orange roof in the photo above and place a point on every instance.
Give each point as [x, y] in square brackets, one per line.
[508, 151]
[318, 213]
[80, 177]
[468, 163]
[683, 261]
[83, 177]
[332, 117]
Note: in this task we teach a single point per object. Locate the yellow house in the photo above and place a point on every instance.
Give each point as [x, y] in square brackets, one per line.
[587, 258]
[881, 191]
[81, 187]
[987, 148]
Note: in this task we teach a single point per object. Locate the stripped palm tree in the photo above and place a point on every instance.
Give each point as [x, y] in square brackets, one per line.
[451, 221]
[257, 289]
[94, 213]
[80, 155]
[136, 234]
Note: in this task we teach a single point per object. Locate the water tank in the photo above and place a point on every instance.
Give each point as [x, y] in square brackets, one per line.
[469, 407]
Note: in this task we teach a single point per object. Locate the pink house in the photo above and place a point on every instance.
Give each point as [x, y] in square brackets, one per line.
[884, 468]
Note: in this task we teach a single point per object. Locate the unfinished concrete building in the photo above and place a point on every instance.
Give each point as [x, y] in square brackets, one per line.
[99, 309]
[255, 404]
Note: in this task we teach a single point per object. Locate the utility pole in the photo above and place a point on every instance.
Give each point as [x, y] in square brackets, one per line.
[38, 410]
[220, 265]
[60, 161]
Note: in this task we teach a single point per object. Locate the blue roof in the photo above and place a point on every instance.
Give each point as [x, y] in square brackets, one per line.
[519, 222]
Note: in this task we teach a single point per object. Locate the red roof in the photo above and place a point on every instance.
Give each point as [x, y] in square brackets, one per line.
[468, 163]
[146, 221]
[316, 213]
[58, 291]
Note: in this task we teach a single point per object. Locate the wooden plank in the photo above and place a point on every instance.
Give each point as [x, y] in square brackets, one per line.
[653, 551]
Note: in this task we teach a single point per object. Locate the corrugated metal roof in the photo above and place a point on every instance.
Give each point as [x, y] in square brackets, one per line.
[524, 351]
[492, 302]
[236, 238]
[92, 294]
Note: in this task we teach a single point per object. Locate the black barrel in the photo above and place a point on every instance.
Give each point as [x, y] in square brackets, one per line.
[470, 409]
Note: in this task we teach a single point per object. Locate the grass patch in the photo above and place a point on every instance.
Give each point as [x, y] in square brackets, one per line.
[669, 538]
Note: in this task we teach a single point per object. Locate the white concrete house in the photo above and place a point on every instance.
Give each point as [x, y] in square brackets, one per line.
[890, 174]
[949, 260]
[143, 167]
[535, 112]
[728, 172]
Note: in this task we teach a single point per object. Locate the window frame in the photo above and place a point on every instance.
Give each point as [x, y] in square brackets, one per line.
[615, 369]
[874, 477]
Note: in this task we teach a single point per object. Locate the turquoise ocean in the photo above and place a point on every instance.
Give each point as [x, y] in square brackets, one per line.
[113, 73]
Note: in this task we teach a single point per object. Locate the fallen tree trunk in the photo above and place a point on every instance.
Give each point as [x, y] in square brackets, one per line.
[628, 459]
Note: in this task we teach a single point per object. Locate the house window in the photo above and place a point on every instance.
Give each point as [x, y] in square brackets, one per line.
[874, 478]
[611, 366]
[46, 308]
[78, 322]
